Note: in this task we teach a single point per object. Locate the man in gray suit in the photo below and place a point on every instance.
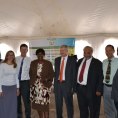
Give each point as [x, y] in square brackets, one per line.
[65, 73]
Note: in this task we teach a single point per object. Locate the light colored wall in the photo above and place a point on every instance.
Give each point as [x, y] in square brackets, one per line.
[6, 44]
[98, 43]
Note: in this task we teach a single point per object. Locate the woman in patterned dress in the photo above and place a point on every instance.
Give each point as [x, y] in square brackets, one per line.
[41, 77]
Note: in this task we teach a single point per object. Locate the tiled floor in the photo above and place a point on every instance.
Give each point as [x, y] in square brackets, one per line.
[76, 109]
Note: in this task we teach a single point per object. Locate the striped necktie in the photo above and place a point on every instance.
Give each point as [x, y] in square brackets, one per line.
[108, 72]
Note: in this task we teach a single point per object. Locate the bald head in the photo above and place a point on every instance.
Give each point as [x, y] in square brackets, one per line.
[88, 51]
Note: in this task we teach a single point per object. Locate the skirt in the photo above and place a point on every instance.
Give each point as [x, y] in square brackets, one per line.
[40, 96]
[8, 102]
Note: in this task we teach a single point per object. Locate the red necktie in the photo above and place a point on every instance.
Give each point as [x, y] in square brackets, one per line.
[82, 71]
[61, 71]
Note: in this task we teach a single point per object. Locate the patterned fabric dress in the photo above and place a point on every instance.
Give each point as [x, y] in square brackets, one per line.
[39, 94]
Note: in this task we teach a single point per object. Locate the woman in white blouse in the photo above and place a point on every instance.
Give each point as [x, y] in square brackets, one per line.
[9, 86]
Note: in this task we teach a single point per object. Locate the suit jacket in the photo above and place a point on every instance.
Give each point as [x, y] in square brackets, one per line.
[114, 92]
[70, 73]
[47, 73]
[95, 76]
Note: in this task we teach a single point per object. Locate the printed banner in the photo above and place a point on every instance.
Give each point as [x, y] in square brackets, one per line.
[51, 47]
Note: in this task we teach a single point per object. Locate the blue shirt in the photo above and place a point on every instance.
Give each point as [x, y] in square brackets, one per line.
[114, 67]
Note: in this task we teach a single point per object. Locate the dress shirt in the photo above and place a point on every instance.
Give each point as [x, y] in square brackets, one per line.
[65, 61]
[25, 67]
[85, 75]
[114, 67]
[8, 75]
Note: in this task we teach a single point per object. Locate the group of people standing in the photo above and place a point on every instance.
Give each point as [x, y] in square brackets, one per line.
[30, 80]
[14, 83]
[88, 77]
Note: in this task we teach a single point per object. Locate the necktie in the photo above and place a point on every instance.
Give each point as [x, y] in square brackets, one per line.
[108, 72]
[82, 71]
[61, 71]
[20, 71]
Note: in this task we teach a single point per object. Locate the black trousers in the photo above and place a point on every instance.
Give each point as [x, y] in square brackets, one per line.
[60, 93]
[116, 105]
[25, 94]
[89, 104]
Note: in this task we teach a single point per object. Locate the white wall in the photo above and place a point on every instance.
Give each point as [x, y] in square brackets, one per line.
[98, 44]
[6, 45]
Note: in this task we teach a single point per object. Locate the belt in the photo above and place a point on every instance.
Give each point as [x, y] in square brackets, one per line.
[108, 85]
[61, 81]
[24, 81]
[81, 85]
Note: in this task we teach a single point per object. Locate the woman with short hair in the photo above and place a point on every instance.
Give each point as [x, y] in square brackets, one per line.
[41, 77]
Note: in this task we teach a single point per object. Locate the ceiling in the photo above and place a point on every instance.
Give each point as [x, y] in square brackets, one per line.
[43, 18]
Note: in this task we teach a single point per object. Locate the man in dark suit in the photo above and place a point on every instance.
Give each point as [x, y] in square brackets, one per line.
[89, 84]
[114, 92]
[64, 81]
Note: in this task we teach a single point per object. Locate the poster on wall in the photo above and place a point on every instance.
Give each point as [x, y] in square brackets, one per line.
[51, 47]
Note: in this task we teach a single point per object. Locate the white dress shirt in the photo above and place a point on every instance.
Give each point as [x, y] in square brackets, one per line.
[8, 75]
[85, 75]
[25, 67]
